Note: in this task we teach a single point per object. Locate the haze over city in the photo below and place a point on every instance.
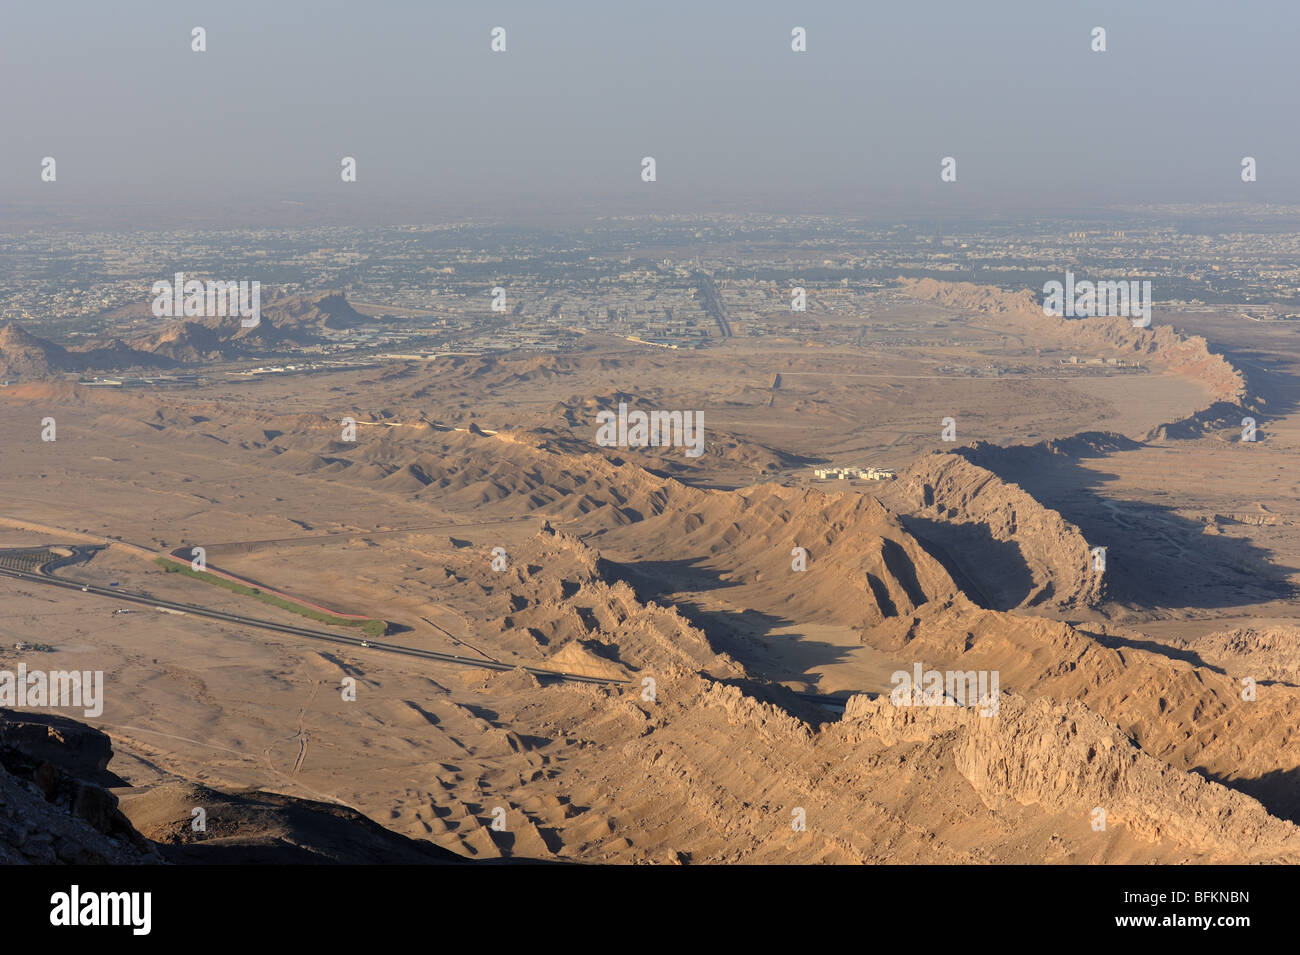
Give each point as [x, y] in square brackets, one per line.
[602, 435]
[146, 131]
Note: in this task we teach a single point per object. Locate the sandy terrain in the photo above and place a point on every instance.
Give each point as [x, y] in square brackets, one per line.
[1119, 690]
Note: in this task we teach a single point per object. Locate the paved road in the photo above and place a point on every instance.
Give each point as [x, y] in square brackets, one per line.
[712, 302]
[46, 578]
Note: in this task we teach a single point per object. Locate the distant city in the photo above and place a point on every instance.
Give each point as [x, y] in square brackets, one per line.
[673, 282]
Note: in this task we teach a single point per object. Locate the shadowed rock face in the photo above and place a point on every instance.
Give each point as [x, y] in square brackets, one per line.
[1015, 551]
[55, 808]
[72, 746]
[53, 804]
[287, 320]
[249, 827]
[23, 355]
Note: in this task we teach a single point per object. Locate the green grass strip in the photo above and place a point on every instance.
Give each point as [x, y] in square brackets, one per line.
[370, 627]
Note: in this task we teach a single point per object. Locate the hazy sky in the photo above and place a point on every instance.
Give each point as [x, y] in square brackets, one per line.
[440, 124]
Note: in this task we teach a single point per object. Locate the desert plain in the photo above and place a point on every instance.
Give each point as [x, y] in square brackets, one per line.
[733, 707]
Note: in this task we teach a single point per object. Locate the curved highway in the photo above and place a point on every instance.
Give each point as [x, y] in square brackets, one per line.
[43, 576]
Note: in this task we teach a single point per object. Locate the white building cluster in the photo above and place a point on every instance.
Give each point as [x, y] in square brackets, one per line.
[848, 474]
